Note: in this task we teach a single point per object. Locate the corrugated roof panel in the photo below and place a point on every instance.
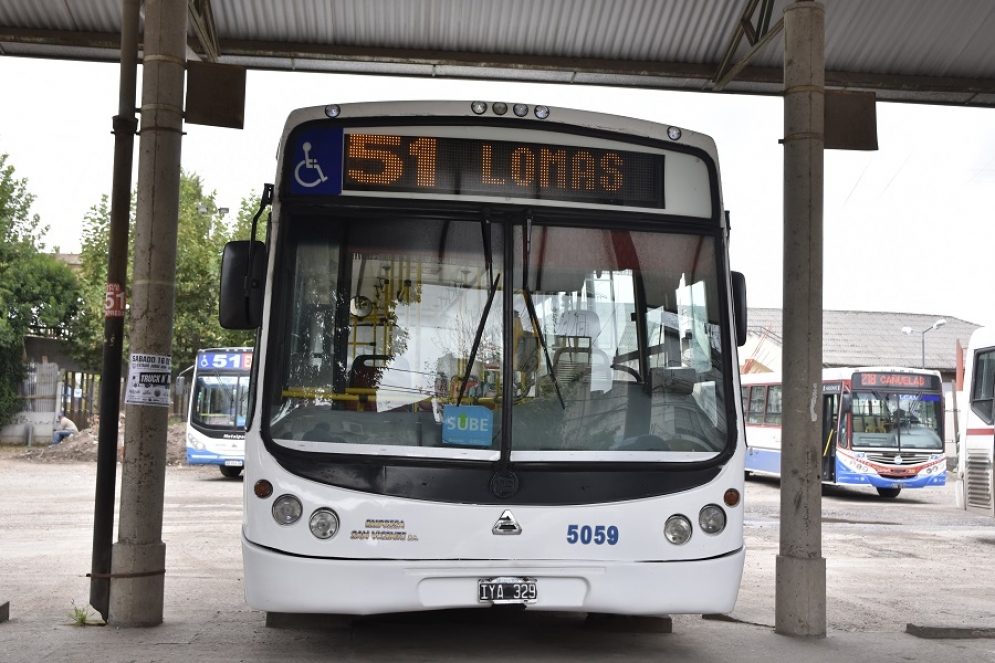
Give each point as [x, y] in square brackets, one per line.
[41, 15]
[907, 38]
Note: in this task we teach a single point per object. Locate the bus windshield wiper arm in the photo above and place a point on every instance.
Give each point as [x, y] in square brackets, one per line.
[530, 306]
[476, 339]
[485, 229]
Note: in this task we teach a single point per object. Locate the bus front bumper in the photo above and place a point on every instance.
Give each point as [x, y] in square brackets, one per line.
[278, 582]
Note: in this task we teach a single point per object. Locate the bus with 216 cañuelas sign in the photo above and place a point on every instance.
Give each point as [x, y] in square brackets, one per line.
[882, 427]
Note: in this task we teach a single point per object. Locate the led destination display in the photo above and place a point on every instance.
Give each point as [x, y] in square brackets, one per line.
[331, 162]
[895, 381]
[463, 166]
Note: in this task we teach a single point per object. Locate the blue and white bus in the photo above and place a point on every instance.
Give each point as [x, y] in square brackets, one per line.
[882, 427]
[497, 365]
[218, 407]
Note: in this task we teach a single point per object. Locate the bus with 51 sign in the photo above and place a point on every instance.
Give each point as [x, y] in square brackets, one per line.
[497, 365]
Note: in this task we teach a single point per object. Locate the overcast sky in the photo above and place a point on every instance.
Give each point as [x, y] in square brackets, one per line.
[908, 228]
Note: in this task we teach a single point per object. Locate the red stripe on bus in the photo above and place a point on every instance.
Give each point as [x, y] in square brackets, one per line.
[981, 431]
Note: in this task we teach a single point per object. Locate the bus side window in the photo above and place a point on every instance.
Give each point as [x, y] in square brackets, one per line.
[772, 415]
[983, 391]
[756, 414]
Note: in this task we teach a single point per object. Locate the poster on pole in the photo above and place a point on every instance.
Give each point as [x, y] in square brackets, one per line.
[148, 380]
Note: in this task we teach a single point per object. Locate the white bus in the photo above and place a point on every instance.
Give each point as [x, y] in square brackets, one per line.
[497, 365]
[882, 427]
[976, 448]
[218, 407]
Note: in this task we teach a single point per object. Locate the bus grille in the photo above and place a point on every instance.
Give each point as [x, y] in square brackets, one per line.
[978, 480]
[888, 457]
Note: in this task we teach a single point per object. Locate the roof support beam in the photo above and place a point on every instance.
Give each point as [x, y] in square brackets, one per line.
[658, 75]
[749, 56]
[201, 18]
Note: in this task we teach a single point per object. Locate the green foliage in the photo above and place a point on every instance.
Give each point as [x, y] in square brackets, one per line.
[201, 236]
[80, 616]
[36, 290]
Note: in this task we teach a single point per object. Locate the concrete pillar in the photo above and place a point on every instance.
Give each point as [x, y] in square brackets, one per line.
[800, 595]
[139, 556]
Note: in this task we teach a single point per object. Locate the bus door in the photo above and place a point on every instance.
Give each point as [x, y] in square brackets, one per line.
[831, 392]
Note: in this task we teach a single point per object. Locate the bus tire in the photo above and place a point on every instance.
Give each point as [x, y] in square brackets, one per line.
[229, 471]
[890, 493]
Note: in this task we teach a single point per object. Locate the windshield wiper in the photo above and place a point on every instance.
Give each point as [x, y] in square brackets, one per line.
[485, 229]
[530, 306]
[476, 339]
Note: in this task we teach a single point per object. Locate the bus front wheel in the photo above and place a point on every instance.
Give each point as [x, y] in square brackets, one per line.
[890, 493]
[229, 471]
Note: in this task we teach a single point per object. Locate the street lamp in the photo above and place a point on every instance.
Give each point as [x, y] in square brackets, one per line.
[908, 331]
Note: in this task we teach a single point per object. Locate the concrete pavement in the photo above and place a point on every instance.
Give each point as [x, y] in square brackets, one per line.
[46, 529]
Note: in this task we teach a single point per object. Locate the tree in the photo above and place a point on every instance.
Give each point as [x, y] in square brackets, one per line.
[85, 344]
[201, 235]
[36, 290]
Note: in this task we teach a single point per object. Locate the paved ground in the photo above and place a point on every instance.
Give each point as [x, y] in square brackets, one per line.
[913, 560]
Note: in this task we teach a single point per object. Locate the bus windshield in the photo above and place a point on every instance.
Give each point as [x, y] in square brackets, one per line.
[897, 420]
[219, 400]
[452, 336]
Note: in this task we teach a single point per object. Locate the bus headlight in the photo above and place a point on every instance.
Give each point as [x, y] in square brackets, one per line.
[677, 530]
[712, 519]
[324, 523]
[287, 509]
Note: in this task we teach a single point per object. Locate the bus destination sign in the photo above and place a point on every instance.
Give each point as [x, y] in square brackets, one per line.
[329, 162]
[895, 381]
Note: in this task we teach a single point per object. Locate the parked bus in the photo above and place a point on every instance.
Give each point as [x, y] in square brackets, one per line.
[497, 365]
[976, 447]
[881, 427]
[218, 406]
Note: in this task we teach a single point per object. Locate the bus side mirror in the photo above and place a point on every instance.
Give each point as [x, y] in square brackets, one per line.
[739, 306]
[243, 275]
[846, 403]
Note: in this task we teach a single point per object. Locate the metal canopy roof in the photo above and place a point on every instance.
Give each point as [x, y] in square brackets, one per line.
[922, 51]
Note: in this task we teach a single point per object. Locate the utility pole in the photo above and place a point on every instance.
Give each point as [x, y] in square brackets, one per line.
[125, 126]
[139, 556]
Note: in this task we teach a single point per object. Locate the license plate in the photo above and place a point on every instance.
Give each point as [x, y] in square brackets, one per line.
[506, 590]
[233, 463]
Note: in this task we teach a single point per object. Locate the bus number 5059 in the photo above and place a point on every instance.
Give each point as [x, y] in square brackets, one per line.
[598, 535]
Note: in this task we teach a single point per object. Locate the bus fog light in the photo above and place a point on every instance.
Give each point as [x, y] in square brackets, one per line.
[712, 519]
[324, 523]
[677, 530]
[287, 509]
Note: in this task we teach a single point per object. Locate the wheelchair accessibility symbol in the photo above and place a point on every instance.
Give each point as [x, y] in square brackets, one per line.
[315, 176]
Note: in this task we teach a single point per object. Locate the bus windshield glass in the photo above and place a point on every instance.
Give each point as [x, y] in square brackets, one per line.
[219, 400]
[896, 420]
[454, 336]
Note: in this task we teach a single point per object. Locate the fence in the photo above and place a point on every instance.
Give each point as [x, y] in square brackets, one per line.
[79, 397]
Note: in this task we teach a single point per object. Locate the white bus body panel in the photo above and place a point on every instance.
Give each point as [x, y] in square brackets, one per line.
[976, 460]
[423, 555]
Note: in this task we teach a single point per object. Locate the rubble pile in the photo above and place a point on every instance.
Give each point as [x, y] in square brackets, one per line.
[82, 446]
